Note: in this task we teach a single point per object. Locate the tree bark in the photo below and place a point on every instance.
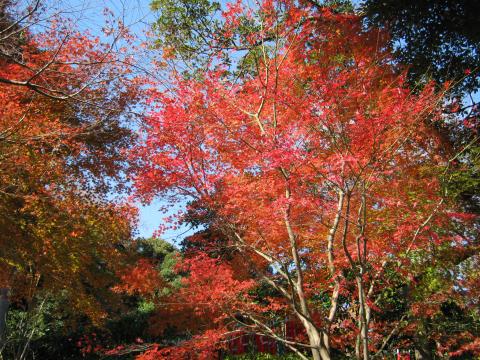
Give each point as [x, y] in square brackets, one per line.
[319, 351]
[363, 318]
[4, 304]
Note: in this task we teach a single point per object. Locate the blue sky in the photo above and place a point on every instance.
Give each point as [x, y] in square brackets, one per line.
[136, 15]
[89, 15]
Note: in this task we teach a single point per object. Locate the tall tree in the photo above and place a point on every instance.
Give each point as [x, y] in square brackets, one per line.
[321, 167]
[67, 100]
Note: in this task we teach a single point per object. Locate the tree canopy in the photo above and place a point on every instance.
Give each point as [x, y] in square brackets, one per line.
[323, 156]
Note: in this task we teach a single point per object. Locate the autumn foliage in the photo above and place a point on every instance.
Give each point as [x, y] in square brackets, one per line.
[321, 185]
[322, 169]
[63, 134]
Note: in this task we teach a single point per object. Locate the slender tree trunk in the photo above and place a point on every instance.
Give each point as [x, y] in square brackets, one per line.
[315, 337]
[363, 318]
[364, 313]
[357, 344]
[4, 304]
[319, 351]
[331, 267]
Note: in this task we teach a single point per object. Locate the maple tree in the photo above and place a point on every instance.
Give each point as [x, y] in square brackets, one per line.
[322, 169]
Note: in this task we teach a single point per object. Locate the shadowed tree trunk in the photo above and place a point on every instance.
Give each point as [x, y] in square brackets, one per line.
[4, 304]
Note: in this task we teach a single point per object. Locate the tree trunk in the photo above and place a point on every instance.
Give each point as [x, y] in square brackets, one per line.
[315, 337]
[363, 318]
[4, 304]
[319, 350]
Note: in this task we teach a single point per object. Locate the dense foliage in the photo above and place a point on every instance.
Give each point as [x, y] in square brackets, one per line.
[327, 159]
[66, 102]
[325, 173]
[437, 39]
